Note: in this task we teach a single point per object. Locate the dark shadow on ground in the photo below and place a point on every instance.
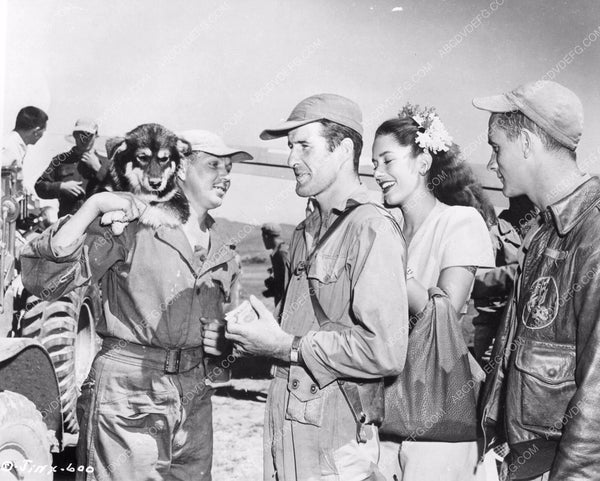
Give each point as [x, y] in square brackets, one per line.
[241, 394]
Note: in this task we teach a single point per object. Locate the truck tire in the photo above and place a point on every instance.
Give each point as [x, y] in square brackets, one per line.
[66, 328]
[24, 440]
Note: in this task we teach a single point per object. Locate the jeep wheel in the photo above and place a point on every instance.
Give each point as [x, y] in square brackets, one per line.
[24, 440]
[66, 329]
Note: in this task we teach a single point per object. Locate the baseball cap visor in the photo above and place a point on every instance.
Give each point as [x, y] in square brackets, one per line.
[495, 103]
[285, 127]
[236, 155]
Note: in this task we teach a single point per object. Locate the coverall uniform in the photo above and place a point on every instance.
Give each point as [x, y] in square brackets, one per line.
[358, 279]
[145, 411]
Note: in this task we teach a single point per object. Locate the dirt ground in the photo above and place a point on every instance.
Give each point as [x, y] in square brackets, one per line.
[238, 429]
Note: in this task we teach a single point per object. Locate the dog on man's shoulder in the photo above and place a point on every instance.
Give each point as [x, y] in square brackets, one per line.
[146, 163]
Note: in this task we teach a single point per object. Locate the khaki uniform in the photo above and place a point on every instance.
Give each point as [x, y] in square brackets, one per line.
[359, 274]
[141, 417]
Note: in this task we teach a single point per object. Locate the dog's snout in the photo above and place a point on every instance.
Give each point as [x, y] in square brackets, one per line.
[154, 183]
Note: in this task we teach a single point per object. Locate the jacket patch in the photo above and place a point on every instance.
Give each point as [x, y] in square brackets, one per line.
[542, 307]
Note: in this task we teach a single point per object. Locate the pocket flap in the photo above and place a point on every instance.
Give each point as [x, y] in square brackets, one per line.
[302, 385]
[326, 268]
[549, 362]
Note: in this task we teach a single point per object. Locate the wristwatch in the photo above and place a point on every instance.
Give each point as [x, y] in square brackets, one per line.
[295, 356]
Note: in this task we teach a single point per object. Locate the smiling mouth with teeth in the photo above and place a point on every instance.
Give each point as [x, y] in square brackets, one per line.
[223, 188]
[385, 186]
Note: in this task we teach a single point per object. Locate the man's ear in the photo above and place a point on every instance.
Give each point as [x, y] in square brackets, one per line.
[527, 139]
[115, 145]
[347, 147]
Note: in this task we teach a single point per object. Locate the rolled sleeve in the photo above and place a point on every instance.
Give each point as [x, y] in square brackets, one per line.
[49, 272]
[376, 345]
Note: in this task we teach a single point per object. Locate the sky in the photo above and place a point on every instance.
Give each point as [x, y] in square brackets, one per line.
[237, 67]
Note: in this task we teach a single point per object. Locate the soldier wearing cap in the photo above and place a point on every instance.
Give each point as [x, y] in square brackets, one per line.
[280, 263]
[542, 395]
[72, 176]
[145, 409]
[345, 313]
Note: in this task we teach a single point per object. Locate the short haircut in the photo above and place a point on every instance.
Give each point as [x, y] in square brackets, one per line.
[513, 123]
[334, 133]
[30, 118]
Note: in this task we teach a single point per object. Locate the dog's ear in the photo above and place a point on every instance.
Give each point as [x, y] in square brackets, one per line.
[184, 147]
[115, 145]
[183, 166]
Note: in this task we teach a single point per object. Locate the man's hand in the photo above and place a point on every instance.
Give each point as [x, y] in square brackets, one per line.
[91, 160]
[213, 336]
[72, 188]
[115, 204]
[262, 337]
[116, 208]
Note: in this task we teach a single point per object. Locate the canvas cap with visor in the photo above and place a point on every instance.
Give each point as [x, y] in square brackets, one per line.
[332, 107]
[211, 143]
[553, 107]
[87, 125]
[271, 229]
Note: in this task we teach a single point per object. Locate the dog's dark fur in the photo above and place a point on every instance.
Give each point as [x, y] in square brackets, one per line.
[145, 162]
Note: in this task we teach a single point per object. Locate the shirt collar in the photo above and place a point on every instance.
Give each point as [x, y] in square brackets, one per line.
[572, 209]
[359, 196]
[19, 140]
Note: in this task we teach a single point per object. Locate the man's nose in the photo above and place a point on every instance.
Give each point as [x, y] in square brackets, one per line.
[292, 159]
[223, 172]
[492, 164]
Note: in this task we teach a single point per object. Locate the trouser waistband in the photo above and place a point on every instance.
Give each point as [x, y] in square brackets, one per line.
[169, 360]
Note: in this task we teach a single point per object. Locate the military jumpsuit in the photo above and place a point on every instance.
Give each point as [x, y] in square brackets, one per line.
[145, 410]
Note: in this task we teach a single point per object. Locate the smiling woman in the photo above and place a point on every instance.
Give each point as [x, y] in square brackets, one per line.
[420, 172]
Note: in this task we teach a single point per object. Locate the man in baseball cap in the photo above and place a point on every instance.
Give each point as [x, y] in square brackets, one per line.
[210, 143]
[550, 334]
[332, 348]
[72, 176]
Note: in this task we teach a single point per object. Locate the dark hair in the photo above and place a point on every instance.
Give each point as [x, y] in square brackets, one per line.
[334, 133]
[513, 123]
[450, 178]
[30, 118]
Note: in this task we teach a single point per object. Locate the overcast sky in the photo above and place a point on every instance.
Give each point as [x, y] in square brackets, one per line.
[236, 67]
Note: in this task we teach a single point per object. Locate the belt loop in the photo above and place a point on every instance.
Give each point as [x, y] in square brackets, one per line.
[172, 360]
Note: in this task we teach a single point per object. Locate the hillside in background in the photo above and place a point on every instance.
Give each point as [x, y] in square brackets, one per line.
[248, 238]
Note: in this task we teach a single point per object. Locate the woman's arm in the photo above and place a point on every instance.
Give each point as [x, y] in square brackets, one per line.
[454, 281]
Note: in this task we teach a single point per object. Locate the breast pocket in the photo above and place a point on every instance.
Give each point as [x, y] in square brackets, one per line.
[326, 268]
[547, 382]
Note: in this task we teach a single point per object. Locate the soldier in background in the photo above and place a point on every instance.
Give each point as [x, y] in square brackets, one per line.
[30, 126]
[280, 262]
[72, 176]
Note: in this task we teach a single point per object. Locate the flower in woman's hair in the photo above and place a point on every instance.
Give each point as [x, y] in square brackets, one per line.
[432, 134]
